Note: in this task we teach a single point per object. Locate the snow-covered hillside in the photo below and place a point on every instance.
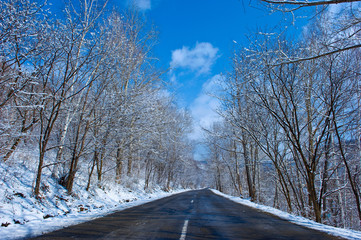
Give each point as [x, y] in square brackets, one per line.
[22, 215]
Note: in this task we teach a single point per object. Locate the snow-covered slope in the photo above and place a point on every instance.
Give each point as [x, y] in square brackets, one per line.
[22, 215]
[345, 233]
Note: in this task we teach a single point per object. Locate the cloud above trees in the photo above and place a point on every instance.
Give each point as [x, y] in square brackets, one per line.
[198, 59]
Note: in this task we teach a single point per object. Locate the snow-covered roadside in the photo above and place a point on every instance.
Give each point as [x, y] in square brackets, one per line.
[340, 232]
[40, 225]
[23, 216]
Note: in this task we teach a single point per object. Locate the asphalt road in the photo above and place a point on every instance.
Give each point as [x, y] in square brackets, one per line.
[197, 214]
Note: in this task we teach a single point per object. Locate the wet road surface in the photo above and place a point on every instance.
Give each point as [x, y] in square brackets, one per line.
[199, 214]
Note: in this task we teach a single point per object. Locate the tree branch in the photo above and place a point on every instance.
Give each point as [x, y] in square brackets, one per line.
[309, 4]
[318, 56]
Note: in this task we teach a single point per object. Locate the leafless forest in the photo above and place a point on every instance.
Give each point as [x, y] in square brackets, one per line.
[83, 92]
[291, 108]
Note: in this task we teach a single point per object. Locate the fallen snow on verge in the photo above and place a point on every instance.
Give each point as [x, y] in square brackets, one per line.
[24, 216]
[340, 232]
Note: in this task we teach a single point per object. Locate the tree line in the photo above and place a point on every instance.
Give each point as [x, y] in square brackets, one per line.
[83, 91]
[290, 135]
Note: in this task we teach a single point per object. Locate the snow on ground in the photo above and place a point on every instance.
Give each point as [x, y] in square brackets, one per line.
[23, 216]
[340, 232]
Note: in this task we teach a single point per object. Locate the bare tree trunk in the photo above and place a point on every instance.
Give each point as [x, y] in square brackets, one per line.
[341, 203]
[250, 183]
[45, 132]
[119, 165]
[61, 145]
[99, 170]
[238, 175]
[148, 171]
[39, 172]
[354, 187]
[218, 180]
[24, 129]
[91, 173]
[12, 149]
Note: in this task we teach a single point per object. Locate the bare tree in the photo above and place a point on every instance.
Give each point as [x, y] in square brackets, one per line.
[67, 71]
[24, 37]
[343, 24]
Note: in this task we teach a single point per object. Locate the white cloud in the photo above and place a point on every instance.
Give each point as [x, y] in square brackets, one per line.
[142, 5]
[199, 59]
[204, 107]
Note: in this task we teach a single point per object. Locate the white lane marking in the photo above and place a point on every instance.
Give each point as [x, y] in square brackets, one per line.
[192, 201]
[184, 230]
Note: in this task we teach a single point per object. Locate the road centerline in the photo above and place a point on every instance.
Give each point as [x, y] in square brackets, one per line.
[184, 230]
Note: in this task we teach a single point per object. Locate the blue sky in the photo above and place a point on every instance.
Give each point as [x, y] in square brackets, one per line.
[191, 25]
[196, 40]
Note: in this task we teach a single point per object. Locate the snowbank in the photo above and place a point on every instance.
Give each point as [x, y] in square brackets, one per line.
[24, 216]
[340, 232]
